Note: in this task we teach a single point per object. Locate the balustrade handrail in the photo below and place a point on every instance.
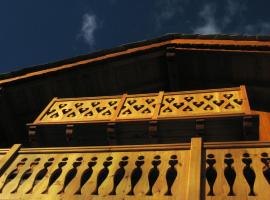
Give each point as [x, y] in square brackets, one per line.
[118, 148]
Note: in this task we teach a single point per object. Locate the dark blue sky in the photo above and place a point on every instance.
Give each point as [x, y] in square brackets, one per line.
[34, 32]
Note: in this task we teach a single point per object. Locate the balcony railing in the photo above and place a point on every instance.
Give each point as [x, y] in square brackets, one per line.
[231, 170]
[155, 106]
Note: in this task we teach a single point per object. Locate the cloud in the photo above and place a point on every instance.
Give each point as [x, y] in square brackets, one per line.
[209, 26]
[262, 28]
[233, 10]
[89, 26]
[167, 10]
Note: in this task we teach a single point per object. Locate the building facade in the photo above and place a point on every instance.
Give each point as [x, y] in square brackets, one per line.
[176, 117]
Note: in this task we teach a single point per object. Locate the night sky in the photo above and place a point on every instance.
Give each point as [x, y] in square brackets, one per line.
[35, 32]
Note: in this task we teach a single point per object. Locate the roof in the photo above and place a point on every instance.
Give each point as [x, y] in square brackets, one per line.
[232, 42]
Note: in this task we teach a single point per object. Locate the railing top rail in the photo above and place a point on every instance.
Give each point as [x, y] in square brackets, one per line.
[236, 144]
[120, 148]
[151, 147]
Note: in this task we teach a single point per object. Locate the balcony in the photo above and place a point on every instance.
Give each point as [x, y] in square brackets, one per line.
[195, 170]
[216, 115]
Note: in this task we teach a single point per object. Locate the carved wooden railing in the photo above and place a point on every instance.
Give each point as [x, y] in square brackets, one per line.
[237, 171]
[136, 172]
[225, 170]
[155, 106]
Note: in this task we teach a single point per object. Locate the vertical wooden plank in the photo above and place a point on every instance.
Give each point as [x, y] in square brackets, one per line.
[194, 174]
[120, 105]
[8, 158]
[245, 99]
[158, 105]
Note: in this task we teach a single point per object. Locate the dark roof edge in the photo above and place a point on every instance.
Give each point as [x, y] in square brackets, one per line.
[169, 36]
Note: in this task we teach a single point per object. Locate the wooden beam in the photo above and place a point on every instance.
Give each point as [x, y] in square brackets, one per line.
[158, 105]
[245, 100]
[194, 176]
[119, 107]
[9, 157]
[180, 50]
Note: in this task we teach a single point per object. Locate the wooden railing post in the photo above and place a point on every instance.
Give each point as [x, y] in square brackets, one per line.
[8, 158]
[194, 176]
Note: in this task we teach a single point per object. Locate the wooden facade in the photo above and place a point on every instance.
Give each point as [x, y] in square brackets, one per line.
[177, 117]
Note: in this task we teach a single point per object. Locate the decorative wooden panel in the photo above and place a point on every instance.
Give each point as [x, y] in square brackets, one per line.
[148, 172]
[81, 110]
[207, 103]
[137, 107]
[202, 103]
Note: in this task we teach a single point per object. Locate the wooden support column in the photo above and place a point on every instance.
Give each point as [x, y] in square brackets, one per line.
[69, 132]
[111, 130]
[249, 128]
[152, 132]
[32, 135]
[111, 134]
[194, 174]
[9, 157]
[153, 124]
[200, 127]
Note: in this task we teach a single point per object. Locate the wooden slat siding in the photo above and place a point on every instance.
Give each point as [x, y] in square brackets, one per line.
[194, 178]
[245, 99]
[8, 158]
[119, 107]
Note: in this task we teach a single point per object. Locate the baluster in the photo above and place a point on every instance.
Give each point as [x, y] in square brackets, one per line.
[55, 175]
[171, 174]
[40, 175]
[71, 174]
[136, 174]
[211, 173]
[249, 173]
[86, 175]
[13, 174]
[103, 174]
[27, 174]
[266, 168]
[229, 173]
[153, 174]
[119, 174]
